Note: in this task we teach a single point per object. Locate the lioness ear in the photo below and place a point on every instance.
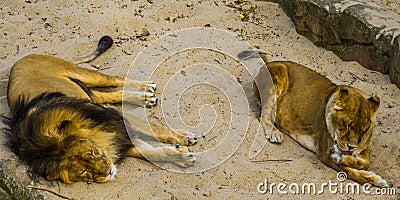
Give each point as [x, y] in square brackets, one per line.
[343, 93]
[374, 103]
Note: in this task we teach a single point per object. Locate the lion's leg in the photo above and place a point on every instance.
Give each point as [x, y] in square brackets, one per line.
[161, 133]
[148, 86]
[178, 155]
[170, 136]
[91, 78]
[146, 99]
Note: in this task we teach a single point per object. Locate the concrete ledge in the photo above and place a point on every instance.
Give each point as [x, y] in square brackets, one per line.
[355, 30]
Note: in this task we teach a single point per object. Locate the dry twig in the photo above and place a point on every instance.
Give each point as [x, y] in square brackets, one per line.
[46, 190]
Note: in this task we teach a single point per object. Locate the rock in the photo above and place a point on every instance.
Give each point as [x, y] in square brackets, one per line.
[355, 30]
[13, 180]
[3, 81]
[395, 62]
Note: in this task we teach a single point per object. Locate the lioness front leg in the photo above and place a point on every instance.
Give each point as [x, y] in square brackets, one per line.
[178, 155]
[357, 161]
[362, 177]
[271, 132]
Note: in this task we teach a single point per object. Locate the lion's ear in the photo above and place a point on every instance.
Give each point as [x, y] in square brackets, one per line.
[52, 176]
[62, 175]
[374, 103]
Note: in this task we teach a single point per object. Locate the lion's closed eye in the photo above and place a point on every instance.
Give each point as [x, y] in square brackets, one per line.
[84, 172]
[95, 154]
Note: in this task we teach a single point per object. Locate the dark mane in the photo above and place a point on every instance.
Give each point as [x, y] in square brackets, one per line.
[42, 148]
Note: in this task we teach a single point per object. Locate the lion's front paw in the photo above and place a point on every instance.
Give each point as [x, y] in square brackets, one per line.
[145, 99]
[150, 99]
[147, 86]
[186, 138]
[150, 87]
[180, 155]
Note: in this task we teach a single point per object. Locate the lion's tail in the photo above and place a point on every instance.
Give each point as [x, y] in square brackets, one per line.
[105, 43]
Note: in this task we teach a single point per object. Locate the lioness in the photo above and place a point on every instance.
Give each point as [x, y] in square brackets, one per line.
[334, 121]
[59, 128]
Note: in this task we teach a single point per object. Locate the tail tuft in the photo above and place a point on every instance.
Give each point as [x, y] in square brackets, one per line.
[245, 55]
[105, 43]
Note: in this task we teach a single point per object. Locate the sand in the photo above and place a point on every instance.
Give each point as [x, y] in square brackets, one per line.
[220, 100]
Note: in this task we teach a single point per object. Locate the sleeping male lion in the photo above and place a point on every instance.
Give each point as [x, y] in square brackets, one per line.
[59, 128]
[334, 121]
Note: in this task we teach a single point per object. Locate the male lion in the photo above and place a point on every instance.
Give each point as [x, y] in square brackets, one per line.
[334, 121]
[59, 128]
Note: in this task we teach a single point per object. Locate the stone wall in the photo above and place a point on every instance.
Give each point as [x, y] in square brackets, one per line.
[355, 30]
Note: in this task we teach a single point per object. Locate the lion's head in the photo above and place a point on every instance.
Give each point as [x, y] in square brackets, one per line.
[350, 121]
[86, 155]
[56, 137]
[82, 160]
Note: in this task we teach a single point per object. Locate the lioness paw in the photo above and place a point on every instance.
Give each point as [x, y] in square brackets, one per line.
[337, 158]
[347, 160]
[382, 183]
[375, 179]
[274, 136]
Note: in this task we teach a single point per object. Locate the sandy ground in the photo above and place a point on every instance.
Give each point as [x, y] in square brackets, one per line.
[69, 29]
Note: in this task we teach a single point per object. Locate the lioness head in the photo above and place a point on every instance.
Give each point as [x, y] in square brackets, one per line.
[83, 161]
[350, 121]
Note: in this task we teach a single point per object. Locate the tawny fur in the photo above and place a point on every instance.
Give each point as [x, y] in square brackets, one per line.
[59, 128]
[334, 121]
